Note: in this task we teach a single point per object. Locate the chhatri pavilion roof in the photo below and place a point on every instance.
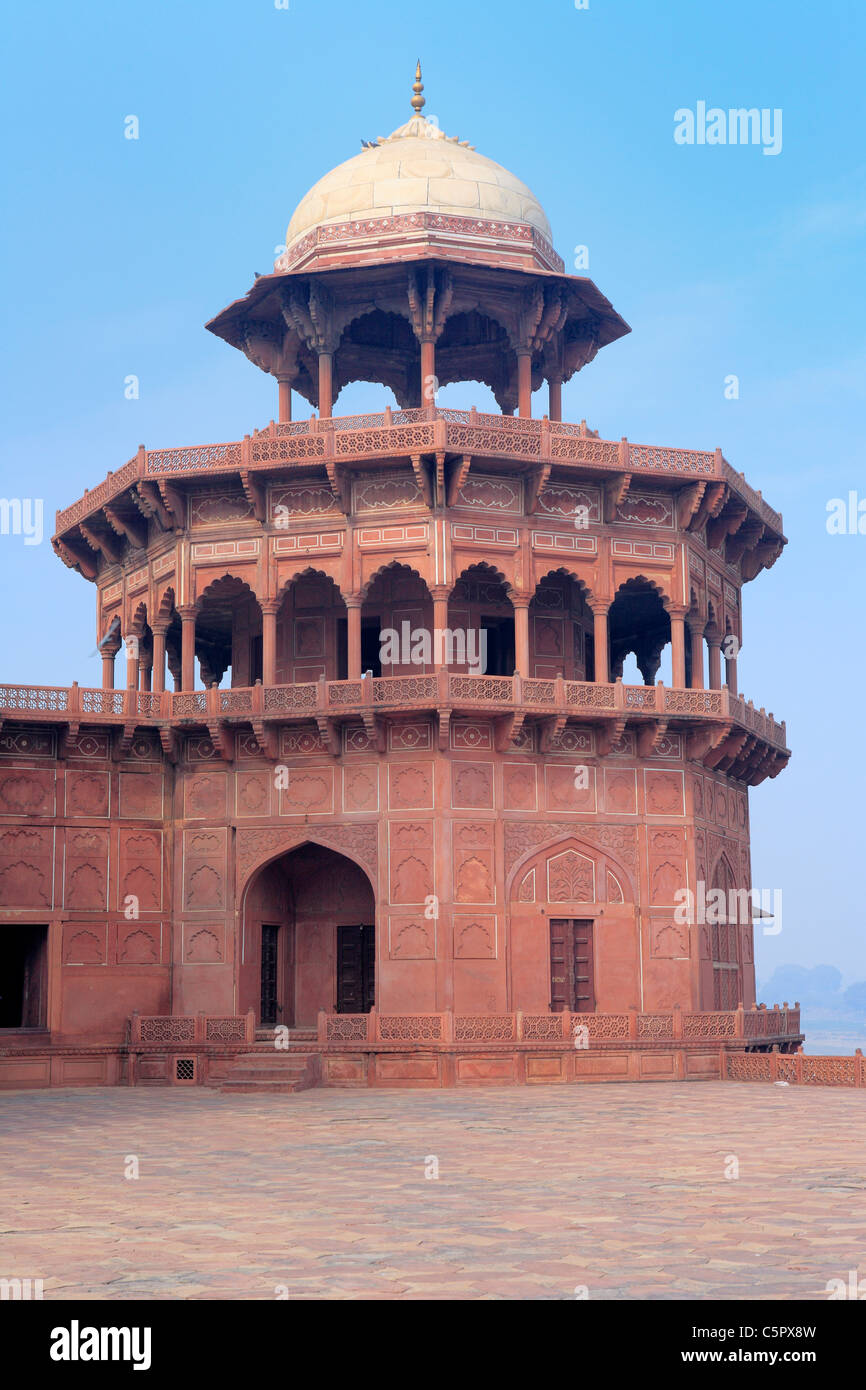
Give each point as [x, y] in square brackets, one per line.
[416, 170]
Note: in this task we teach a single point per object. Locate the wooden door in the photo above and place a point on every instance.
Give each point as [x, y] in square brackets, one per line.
[583, 974]
[571, 965]
[560, 965]
[356, 965]
[270, 1000]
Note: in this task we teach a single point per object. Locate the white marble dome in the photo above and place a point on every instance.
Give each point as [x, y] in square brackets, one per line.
[417, 169]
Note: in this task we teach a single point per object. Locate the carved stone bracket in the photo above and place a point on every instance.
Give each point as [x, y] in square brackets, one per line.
[223, 739]
[168, 737]
[268, 739]
[255, 494]
[609, 736]
[329, 731]
[649, 735]
[615, 490]
[549, 731]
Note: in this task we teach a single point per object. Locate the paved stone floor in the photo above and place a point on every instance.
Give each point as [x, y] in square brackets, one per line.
[540, 1190]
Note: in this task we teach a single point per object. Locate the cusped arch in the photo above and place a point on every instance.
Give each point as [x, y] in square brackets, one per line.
[487, 571]
[222, 588]
[566, 571]
[630, 586]
[138, 621]
[536, 859]
[308, 572]
[393, 566]
[165, 605]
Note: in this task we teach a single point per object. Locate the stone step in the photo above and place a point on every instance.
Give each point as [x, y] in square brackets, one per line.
[296, 1035]
[274, 1071]
[251, 1086]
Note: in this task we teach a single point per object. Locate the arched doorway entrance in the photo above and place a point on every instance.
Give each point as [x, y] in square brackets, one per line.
[308, 939]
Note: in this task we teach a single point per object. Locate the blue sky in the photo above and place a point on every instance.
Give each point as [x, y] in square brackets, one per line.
[723, 260]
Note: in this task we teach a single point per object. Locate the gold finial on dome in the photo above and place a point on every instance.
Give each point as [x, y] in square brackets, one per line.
[417, 87]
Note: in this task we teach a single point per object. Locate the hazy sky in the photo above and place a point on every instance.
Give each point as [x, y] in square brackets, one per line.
[723, 259]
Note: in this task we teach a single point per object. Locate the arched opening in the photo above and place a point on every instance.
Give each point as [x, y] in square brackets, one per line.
[724, 914]
[481, 608]
[312, 636]
[397, 608]
[380, 347]
[167, 621]
[139, 650]
[308, 938]
[571, 911]
[475, 346]
[228, 634]
[638, 623]
[561, 629]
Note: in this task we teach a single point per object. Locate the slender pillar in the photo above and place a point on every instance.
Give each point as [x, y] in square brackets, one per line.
[159, 632]
[131, 644]
[326, 385]
[145, 670]
[714, 645]
[678, 647]
[554, 387]
[353, 607]
[270, 608]
[600, 641]
[187, 647]
[731, 673]
[284, 393]
[697, 637]
[524, 384]
[521, 634]
[428, 372]
[109, 652]
[440, 624]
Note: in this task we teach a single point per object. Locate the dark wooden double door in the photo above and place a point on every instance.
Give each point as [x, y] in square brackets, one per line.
[356, 969]
[571, 965]
[356, 972]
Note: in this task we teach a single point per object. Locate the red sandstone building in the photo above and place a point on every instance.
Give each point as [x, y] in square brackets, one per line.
[426, 875]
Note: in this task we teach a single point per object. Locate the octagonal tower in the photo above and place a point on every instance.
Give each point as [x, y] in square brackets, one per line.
[427, 868]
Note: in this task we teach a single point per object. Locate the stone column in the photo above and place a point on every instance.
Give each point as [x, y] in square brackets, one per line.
[697, 637]
[326, 385]
[428, 370]
[159, 633]
[187, 649]
[440, 624]
[554, 387]
[731, 671]
[284, 395]
[109, 651]
[520, 604]
[145, 667]
[678, 646]
[524, 383]
[270, 607]
[600, 610]
[353, 609]
[714, 645]
[131, 642]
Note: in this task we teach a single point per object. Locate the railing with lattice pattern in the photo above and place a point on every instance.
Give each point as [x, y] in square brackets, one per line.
[578, 1029]
[434, 690]
[796, 1068]
[400, 431]
[178, 1030]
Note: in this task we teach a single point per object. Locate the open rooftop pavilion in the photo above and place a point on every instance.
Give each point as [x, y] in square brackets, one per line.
[541, 1192]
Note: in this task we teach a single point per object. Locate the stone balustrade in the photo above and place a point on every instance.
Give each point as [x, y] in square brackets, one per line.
[496, 695]
[404, 432]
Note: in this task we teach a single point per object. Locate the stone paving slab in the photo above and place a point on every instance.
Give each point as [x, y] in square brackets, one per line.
[541, 1190]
